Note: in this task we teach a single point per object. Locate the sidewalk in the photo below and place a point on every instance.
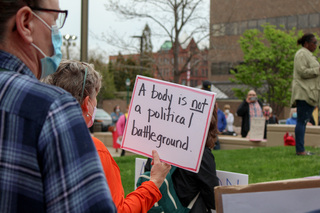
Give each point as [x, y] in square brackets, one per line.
[113, 151]
[117, 154]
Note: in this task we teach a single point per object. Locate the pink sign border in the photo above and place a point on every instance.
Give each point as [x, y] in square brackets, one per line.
[174, 85]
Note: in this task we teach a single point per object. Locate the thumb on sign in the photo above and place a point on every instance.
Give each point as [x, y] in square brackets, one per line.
[159, 169]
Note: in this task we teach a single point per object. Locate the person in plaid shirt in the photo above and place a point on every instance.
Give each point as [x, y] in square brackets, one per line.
[48, 162]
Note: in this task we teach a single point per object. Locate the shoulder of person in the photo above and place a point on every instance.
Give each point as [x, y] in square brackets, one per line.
[303, 52]
[244, 103]
[41, 98]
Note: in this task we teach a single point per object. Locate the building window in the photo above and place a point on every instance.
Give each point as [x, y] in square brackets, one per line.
[218, 29]
[314, 20]
[303, 21]
[292, 21]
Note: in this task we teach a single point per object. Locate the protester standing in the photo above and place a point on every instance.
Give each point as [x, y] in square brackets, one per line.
[83, 82]
[222, 121]
[305, 87]
[115, 115]
[230, 119]
[250, 107]
[293, 117]
[198, 187]
[48, 162]
[189, 184]
[270, 118]
[121, 124]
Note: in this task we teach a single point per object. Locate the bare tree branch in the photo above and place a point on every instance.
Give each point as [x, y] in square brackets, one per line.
[172, 16]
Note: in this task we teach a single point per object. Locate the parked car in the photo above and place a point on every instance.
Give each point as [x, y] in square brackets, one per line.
[102, 121]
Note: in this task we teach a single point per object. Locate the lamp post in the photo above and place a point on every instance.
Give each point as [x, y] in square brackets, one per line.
[128, 86]
[68, 43]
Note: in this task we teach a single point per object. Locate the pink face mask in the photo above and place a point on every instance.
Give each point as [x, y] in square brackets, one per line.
[92, 117]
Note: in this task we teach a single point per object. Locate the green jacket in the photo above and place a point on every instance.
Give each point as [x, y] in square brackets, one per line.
[306, 78]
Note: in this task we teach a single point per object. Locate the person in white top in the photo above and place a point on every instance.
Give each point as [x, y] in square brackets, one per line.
[230, 119]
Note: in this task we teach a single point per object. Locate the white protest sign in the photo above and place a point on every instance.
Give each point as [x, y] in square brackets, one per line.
[169, 118]
[257, 125]
[232, 178]
[293, 201]
[225, 178]
[139, 169]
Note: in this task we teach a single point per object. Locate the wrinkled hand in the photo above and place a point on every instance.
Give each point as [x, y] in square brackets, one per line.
[159, 169]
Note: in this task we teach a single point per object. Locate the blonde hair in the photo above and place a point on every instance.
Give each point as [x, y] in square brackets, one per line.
[70, 76]
[226, 106]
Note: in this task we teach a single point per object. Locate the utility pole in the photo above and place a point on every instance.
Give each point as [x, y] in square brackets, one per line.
[84, 31]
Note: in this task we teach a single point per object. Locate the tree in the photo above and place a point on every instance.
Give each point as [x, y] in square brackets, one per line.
[172, 16]
[268, 64]
[107, 85]
[123, 69]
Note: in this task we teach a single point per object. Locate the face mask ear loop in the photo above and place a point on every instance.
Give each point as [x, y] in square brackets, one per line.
[41, 20]
[84, 82]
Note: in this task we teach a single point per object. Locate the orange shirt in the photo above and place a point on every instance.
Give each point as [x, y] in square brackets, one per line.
[140, 200]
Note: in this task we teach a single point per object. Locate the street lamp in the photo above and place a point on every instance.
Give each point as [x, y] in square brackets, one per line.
[68, 43]
[128, 86]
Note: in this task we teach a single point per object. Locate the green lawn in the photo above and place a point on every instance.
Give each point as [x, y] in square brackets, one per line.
[261, 164]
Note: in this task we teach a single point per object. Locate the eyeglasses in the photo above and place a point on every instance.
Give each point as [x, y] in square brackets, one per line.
[61, 17]
[314, 42]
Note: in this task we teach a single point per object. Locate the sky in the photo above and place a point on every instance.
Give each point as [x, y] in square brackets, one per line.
[103, 21]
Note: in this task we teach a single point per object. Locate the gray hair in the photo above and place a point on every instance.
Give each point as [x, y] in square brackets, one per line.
[70, 76]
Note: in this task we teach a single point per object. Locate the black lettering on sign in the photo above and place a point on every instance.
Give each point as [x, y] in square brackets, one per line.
[198, 106]
[138, 108]
[166, 115]
[142, 89]
[146, 132]
[182, 101]
[161, 96]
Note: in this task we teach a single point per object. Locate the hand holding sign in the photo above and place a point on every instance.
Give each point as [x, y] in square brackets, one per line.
[170, 118]
[159, 169]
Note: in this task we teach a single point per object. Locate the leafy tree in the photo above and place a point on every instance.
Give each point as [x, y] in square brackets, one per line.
[268, 64]
[123, 69]
[107, 85]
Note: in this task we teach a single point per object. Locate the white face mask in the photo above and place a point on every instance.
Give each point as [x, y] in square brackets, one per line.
[92, 117]
[227, 111]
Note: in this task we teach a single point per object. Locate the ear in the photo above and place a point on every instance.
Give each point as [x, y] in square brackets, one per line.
[85, 104]
[25, 23]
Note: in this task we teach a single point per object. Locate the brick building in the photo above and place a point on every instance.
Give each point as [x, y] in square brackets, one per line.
[228, 21]
[230, 18]
[163, 63]
[198, 65]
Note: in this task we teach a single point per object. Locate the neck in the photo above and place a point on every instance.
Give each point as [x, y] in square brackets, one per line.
[26, 53]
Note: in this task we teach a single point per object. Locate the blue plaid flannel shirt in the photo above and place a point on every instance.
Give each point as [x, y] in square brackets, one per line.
[48, 162]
